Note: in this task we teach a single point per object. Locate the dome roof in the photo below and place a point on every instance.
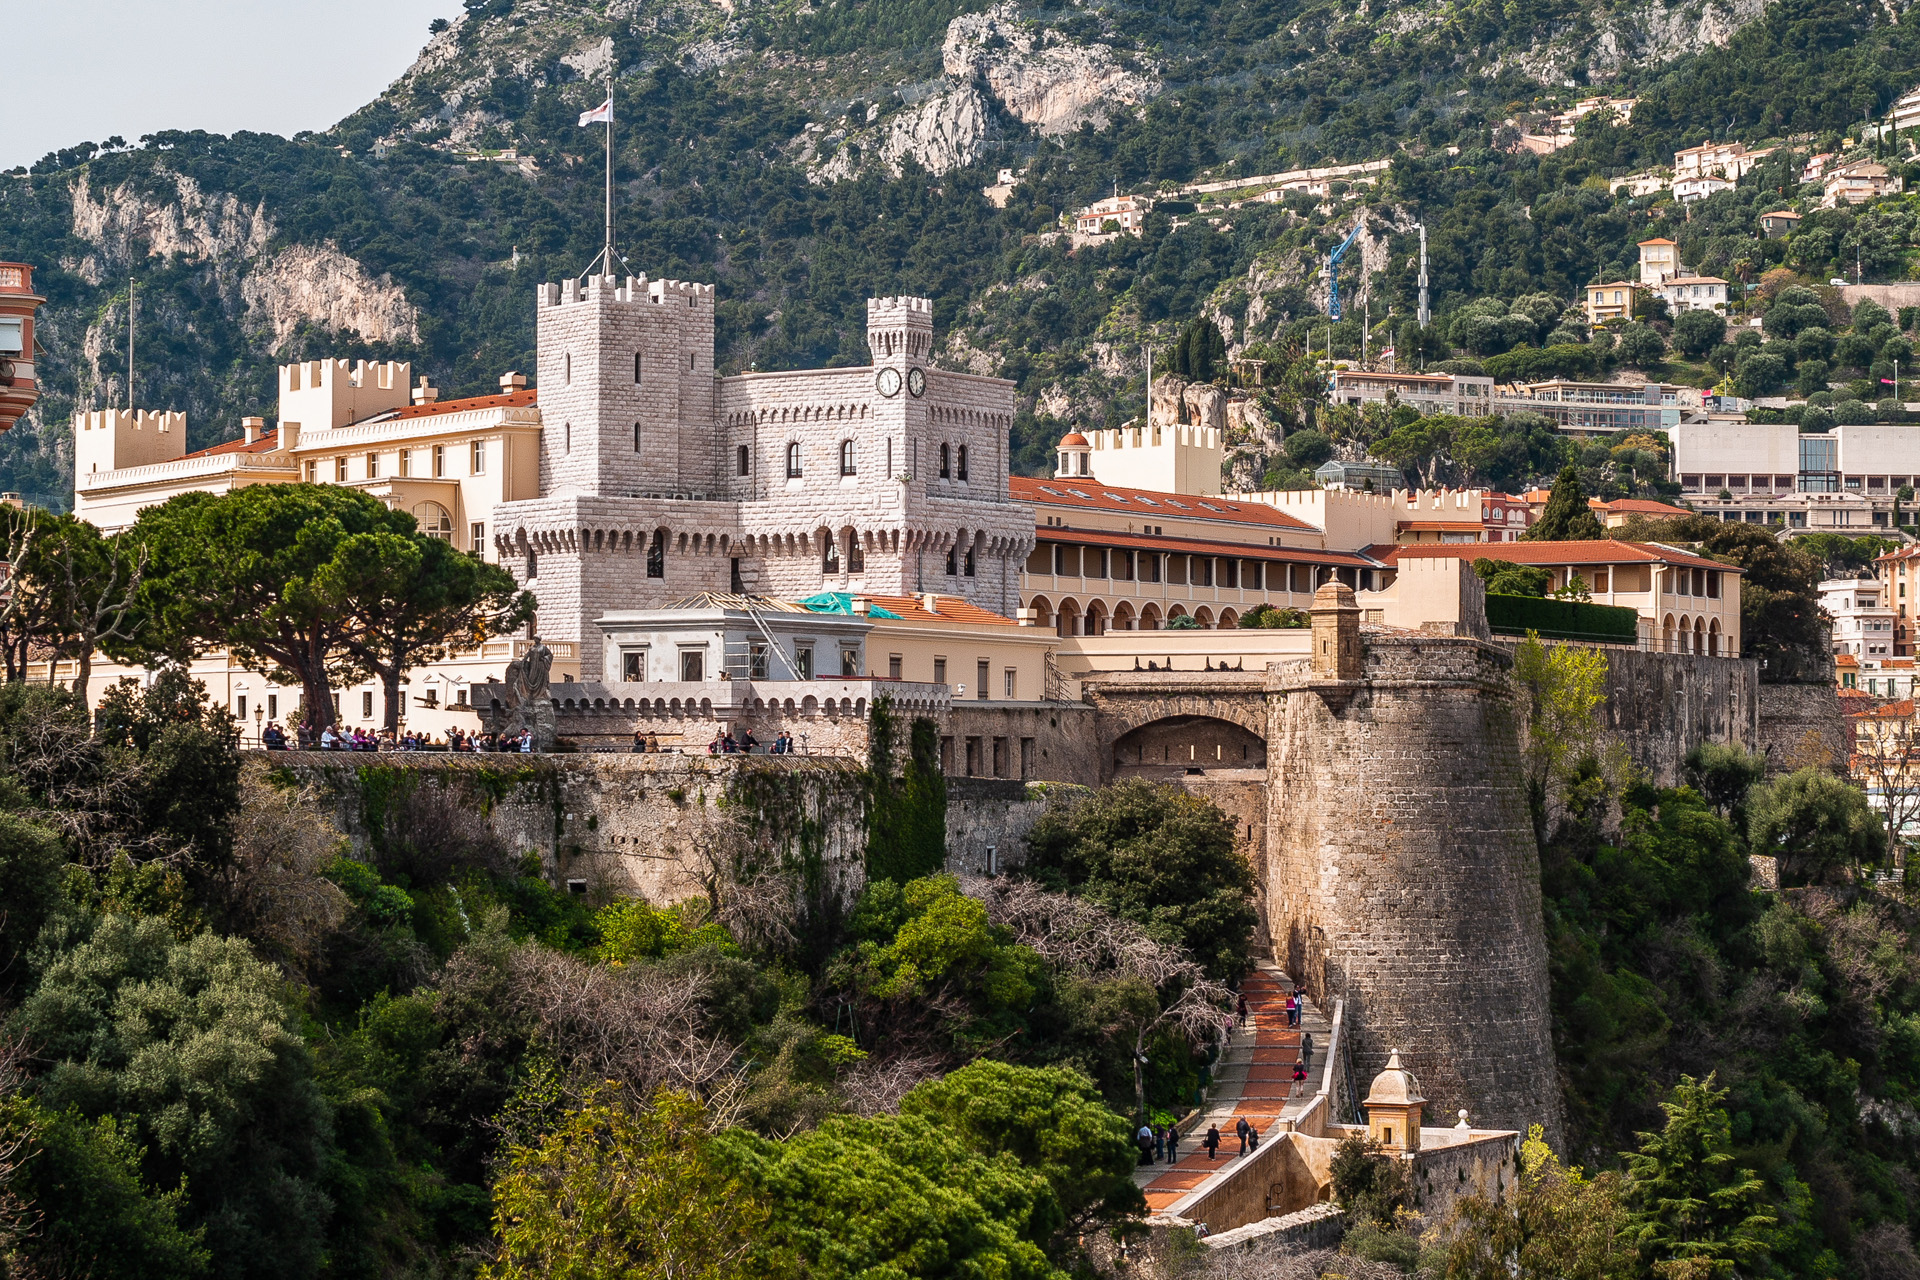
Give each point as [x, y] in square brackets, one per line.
[1394, 1087]
[1073, 439]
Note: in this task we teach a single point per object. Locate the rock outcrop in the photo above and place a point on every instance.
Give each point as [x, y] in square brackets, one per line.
[1040, 76]
[280, 289]
[943, 132]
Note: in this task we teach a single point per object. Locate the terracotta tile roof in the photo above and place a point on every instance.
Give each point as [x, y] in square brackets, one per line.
[1846, 660]
[1639, 506]
[1901, 710]
[268, 442]
[1200, 546]
[1149, 504]
[1591, 551]
[513, 399]
[1901, 553]
[950, 609]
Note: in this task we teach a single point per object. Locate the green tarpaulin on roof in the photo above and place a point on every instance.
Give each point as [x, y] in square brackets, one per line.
[842, 602]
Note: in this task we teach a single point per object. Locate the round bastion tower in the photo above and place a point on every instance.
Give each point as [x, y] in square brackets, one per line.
[1402, 872]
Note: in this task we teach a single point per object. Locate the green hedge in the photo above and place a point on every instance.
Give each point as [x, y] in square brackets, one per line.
[1562, 619]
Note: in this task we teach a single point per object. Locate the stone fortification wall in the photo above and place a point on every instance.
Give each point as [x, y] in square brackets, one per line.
[988, 820]
[627, 824]
[1402, 873]
[1801, 726]
[1662, 705]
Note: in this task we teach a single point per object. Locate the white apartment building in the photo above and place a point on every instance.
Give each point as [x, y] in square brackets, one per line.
[1730, 160]
[1659, 260]
[1687, 190]
[1859, 182]
[1463, 395]
[1863, 622]
[1129, 212]
[1694, 293]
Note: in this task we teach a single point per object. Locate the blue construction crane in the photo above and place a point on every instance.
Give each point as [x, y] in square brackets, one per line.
[1333, 268]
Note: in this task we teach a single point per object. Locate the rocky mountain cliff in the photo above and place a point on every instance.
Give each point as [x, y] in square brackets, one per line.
[805, 157]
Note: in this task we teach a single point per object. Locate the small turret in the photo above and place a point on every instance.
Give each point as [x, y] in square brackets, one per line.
[1075, 457]
[1394, 1108]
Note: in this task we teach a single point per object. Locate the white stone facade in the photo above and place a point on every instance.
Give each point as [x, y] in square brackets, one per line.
[660, 479]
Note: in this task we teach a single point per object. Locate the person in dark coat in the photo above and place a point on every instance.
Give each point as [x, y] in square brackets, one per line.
[1173, 1144]
[1213, 1141]
[1240, 1128]
[1243, 1011]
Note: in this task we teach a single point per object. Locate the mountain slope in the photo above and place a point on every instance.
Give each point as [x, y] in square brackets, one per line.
[805, 157]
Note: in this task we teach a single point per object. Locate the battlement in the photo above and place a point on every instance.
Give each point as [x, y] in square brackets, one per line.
[900, 326]
[898, 309]
[631, 291]
[110, 439]
[319, 395]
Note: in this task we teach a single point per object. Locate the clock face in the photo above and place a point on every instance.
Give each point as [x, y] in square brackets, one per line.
[917, 381]
[888, 382]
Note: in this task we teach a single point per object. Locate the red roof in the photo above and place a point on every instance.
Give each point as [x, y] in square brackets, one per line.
[1436, 526]
[1200, 546]
[1590, 551]
[1073, 438]
[951, 609]
[268, 442]
[1639, 506]
[512, 399]
[1088, 494]
[1901, 710]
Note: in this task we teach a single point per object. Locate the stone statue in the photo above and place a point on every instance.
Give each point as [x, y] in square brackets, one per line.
[524, 702]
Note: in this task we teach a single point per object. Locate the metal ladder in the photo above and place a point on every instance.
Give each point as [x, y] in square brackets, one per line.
[745, 656]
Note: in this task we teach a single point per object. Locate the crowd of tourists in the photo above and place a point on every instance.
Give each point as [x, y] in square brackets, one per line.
[334, 738]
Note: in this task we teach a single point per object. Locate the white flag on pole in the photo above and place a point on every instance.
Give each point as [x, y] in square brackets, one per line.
[602, 114]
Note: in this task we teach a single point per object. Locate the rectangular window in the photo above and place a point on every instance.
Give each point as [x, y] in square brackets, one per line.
[406, 462]
[693, 664]
[1177, 570]
[1012, 685]
[479, 457]
[373, 466]
[1096, 558]
[1026, 757]
[803, 661]
[477, 537]
[1600, 578]
[893, 666]
[849, 664]
[273, 706]
[1230, 573]
[759, 662]
[983, 672]
[313, 471]
[1713, 585]
[1256, 575]
[340, 470]
[939, 670]
[439, 461]
[366, 706]
[1149, 566]
[243, 708]
[633, 664]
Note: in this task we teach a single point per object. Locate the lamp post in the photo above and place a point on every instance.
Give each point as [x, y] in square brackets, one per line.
[259, 714]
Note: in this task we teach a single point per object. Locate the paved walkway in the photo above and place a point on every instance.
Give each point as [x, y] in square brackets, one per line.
[1253, 1079]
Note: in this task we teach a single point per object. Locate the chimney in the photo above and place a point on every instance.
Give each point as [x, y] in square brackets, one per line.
[512, 382]
[862, 607]
[251, 429]
[289, 436]
[426, 392]
[930, 602]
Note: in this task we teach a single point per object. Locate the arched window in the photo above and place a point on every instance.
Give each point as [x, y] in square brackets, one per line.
[434, 521]
[968, 567]
[829, 553]
[953, 565]
[846, 458]
[569, 358]
[962, 469]
[636, 368]
[793, 460]
[745, 463]
[657, 555]
[856, 554]
[636, 437]
[946, 462]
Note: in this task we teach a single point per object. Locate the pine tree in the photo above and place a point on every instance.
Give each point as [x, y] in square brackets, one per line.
[1695, 1213]
[1567, 517]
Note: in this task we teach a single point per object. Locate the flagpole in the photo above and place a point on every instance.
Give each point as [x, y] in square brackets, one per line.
[609, 251]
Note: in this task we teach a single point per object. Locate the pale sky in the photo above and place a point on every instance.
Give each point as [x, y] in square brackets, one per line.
[84, 70]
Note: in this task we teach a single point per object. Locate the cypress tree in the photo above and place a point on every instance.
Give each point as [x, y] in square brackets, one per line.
[1567, 517]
